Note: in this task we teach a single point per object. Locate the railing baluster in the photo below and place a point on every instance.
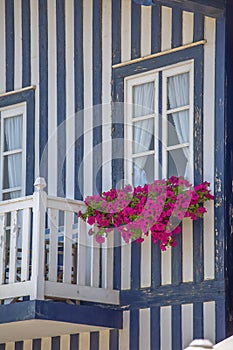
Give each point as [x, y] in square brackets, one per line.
[13, 246]
[67, 255]
[2, 247]
[26, 244]
[107, 262]
[95, 263]
[53, 244]
[82, 251]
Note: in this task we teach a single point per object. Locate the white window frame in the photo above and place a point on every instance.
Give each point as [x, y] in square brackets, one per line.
[138, 79]
[9, 112]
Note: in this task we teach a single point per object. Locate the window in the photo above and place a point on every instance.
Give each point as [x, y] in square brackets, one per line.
[13, 145]
[158, 124]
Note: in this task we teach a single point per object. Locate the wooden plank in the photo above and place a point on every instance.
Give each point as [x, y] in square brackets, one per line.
[187, 249]
[2, 247]
[53, 244]
[3, 48]
[26, 225]
[72, 291]
[18, 44]
[107, 262]
[125, 265]
[124, 333]
[16, 204]
[13, 246]
[144, 329]
[209, 327]
[65, 204]
[95, 262]
[15, 290]
[187, 324]
[82, 251]
[166, 267]
[187, 28]
[166, 332]
[145, 30]
[146, 262]
[67, 254]
[125, 30]
[166, 28]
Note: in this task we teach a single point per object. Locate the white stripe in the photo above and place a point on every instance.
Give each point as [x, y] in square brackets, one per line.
[103, 340]
[3, 48]
[18, 44]
[106, 94]
[208, 142]
[35, 75]
[144, 331]
[125, 265]
[187, 249]
[46, 343]
[166, 267]
[10, 346]
[187, 28]
[165, 328]
[64, 342]
[70, 117]
[146, 262]
[125, 30]
[166, 31]
[145, 30]
[187, 324]
[124, 333]
[88, 94]
[27, 345]
[84, 341]
[209, 321]
[52, 99]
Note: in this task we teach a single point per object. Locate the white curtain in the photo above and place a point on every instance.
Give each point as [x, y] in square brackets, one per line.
[143, 130]
[13, 141]
[178, 95]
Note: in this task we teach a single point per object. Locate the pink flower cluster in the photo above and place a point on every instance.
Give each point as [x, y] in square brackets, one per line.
[156, 208]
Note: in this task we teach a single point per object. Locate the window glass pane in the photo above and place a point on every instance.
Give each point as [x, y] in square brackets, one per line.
[143, 99]
[143, 136]
[178, 128]
[12, 174]
[143, 171]
[178, 162]
[11, 195]
[13, 133]
[178, 91]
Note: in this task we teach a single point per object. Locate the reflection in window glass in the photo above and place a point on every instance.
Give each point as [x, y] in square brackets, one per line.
[178, 164]
[178, 128]
[143, 170]
[143, 136]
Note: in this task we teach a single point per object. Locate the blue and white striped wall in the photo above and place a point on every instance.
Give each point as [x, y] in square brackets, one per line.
[66, 49]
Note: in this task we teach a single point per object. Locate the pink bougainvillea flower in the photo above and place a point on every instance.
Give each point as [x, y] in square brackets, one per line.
[99, 239]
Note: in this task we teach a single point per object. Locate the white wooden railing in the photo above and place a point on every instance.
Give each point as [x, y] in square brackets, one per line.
[45, 251]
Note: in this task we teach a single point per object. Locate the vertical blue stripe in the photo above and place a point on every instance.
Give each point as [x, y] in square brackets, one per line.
[26, 43]
[36, 344]
[43, 88]
[117, 261]
[61, 98]
[155, 328]
[94, 341]
[198, 27]
[97, 95]
[156, 29]
[114, 339]
[9, 42]
[79, 96]
[55, 344]
[116, 31]
[198, 330]
[177, 261]
[134, 330]
[220, 316]
[155, 266]
[176, 327]
[19, 345]
[135, 31]
[135, 265]
[74, 341]
[2, 346]
[221, 225]
[176, 27]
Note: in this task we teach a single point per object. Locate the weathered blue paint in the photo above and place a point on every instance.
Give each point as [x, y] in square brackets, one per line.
[79, 96]
[222, 320]
[19, 345]
[176, 27]
[176, 327]
[198, 27]
[36, 344]
[97, 95]
[26, 43]
[144, 2]
[134, 330]
[116, 31]
[114, 339]
[61, 100]
[27, 96]
[198, 326]
[155, 29]
[2, 346]
[135, 31]
[155, 266]
[43, 87]
[154, 329]
[117, 261]
[74, 342]
[55, 343]
[135, 265]
[94, 341]
[9, 42]
[177, 261]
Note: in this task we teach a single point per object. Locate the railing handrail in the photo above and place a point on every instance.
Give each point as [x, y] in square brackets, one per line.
[16, 204]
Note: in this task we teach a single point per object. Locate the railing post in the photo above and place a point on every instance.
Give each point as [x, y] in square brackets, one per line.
[200, 344]
[38, 239]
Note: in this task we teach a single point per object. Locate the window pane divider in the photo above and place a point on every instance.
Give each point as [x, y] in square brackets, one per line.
[143, 117]
[178, 109]
[12, 152]
[181, 145]
[12, 189]
[142, 154]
